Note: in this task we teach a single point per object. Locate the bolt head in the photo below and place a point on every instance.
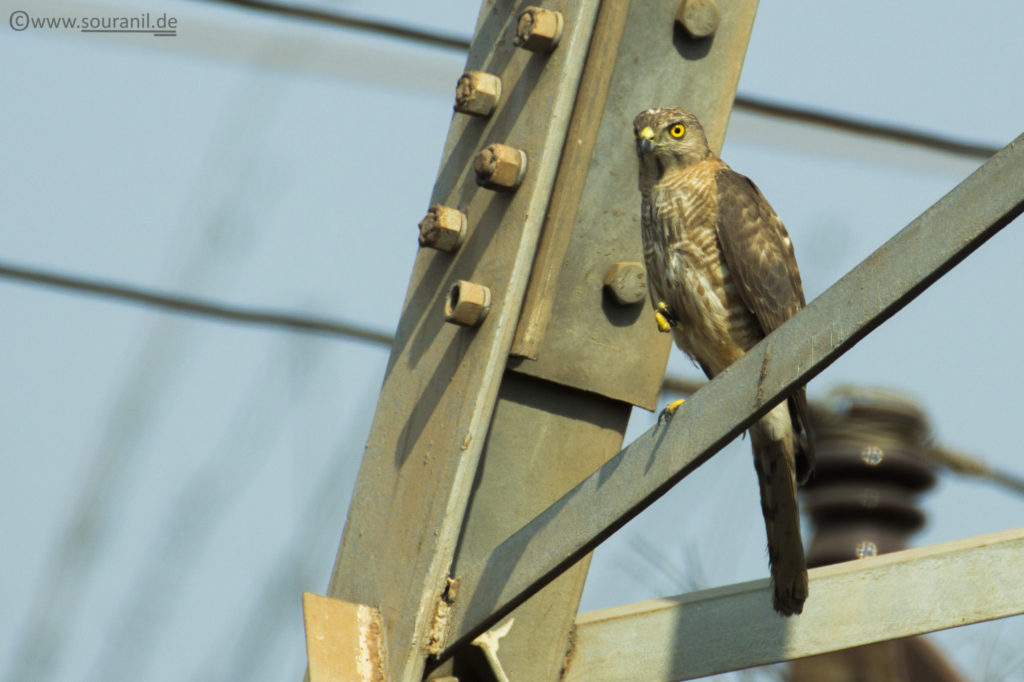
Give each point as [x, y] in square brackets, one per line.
[477, 93]
[467, 303]
[626, 281]
[699, 18]
[500, 167]
[443, 228]
[539, 30]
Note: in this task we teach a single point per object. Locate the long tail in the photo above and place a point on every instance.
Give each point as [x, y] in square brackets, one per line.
[775, 449]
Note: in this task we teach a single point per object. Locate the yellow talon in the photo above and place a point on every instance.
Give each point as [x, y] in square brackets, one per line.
[670, 410]
[664, 318]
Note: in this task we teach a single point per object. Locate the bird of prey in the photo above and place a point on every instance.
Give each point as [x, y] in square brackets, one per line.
[722, 276]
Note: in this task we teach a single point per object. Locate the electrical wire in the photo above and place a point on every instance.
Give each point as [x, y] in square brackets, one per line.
[754, 105]
[226, 313]
[957, 462]
[194, 306]
[855, 126]
[671, 384]
[348, 21]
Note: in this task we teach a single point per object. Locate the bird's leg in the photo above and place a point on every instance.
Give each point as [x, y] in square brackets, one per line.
[666, 323]
[670, 410]
[664, 317]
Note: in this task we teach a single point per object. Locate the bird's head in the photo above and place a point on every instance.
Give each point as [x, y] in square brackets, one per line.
[668, 137]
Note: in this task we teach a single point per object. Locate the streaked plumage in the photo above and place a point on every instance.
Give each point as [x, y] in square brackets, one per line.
[720, 260]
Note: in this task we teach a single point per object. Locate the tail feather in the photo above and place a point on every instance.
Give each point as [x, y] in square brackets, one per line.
[775, 450]
[801, 419]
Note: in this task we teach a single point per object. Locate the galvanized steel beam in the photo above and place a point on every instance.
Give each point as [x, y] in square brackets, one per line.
[442, 378]
[869, 294]
[853, 603]
[543, 440]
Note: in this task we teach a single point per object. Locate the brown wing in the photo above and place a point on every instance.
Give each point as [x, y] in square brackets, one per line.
[760, 258]
[757, 251]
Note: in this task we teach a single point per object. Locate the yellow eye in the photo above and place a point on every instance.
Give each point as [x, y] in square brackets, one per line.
[677, 131]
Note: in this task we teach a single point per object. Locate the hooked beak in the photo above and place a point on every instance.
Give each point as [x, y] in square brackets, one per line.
[645, 141]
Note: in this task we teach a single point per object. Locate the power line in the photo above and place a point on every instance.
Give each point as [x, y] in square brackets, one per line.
[754, 105]
[195, 306]
[349, 21]
[959, 463]
[858, 127]
[220, 311]
[190, 306]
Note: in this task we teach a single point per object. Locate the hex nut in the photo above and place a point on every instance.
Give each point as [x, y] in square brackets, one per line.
[500, 167]
[443, 228]
[467, 303]
[539, 30]
[699, 18]
[477, 93]
[626, 281]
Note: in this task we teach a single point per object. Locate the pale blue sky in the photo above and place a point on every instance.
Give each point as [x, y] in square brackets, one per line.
[238, 162]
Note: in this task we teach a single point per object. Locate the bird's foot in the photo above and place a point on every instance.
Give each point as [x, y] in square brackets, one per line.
[670, 410]
[665, 319]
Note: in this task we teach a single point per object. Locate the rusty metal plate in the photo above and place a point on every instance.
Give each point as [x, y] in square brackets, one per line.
[442, 379]
[572, 331]
[343, 640]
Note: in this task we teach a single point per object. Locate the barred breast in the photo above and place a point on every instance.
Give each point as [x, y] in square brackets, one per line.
[687, 271]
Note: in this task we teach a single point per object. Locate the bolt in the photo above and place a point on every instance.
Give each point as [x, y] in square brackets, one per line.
[626, 281]
[443, 228]
[500, 167]
[477, 93]
[467, 303]
[699, 18]
[539, 29]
